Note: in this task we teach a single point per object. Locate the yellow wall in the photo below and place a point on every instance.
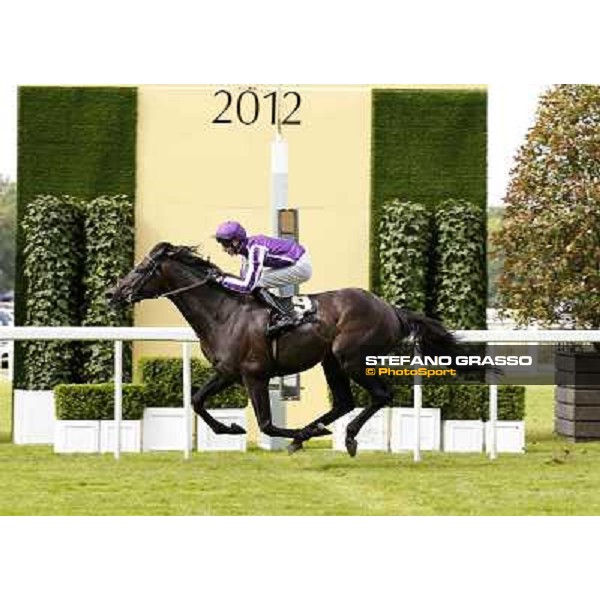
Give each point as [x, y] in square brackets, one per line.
[193, 174]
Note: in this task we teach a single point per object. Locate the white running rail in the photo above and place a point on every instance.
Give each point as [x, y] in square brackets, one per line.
[185, 335]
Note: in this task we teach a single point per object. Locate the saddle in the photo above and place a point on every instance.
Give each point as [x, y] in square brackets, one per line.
[302, 309]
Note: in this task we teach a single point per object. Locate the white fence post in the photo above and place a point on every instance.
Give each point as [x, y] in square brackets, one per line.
[493, 421]
[418, 404]
[118, 396]
[187, 398]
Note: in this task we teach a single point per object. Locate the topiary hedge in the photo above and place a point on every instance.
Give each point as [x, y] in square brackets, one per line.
[53, 262]
[456, 402]
[511, 404]
[109, 244]
[404, 245]
[79, 141]
[426, 145]
[164, 383]
[460, 273]
[87, 402]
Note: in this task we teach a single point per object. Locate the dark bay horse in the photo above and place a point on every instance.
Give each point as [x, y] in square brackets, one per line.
[232, 333]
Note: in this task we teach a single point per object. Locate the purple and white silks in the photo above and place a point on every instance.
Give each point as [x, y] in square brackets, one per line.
[266, 255]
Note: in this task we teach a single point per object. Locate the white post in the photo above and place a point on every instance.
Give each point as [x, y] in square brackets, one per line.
[493, 421]
[493, 379]
[279, 201]
[418, 403]
[11, 361]
[187, 397]
[118, 396]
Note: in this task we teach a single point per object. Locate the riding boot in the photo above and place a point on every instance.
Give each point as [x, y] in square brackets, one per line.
[284, 316]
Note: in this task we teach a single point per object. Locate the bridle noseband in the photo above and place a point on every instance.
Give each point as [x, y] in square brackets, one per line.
[151, 269]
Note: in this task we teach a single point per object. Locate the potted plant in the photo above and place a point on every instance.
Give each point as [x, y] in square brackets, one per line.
[549, 242]
[463, 419]
[164, 416]
[228, 407]
[403, 418]
[375, 433]
[85, 418]
[510, 426]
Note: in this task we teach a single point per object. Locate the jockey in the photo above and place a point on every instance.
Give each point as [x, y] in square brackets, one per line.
[267, 263]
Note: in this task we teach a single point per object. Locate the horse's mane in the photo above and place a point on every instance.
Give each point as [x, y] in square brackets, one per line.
[191, 257]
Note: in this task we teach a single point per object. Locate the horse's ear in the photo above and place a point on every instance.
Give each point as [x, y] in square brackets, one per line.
[161, 249]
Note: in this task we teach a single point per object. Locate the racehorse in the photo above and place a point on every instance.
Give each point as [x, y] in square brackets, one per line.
[231, 329]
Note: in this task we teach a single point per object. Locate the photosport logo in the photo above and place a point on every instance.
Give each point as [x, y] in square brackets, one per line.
[532, 364]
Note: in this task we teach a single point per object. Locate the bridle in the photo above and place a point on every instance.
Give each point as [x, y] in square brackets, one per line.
[150, 270]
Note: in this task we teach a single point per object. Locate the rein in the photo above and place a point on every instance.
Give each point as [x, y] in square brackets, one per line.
[183, 289]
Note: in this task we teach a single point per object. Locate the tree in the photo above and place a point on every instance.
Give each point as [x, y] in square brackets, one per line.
[8, 203]
[550, 237]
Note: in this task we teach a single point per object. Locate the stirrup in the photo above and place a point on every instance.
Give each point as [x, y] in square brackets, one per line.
[283, 323]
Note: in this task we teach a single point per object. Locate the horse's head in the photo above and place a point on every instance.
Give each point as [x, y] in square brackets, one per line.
[147, 280]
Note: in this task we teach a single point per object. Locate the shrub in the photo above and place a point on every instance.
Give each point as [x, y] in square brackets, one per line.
[426, 145]
[404, 243]
[549, 238]
[109, 241]
[52, 266]
[79, 141]
[164, 383]
[511, 403]
[95, 402]
[460, 289]
[467, 402]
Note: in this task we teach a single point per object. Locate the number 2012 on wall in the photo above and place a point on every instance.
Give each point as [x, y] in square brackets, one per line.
[247, 106]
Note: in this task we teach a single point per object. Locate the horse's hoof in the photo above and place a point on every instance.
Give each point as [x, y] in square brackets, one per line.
[351, 446]
[235, 429]
[294, 447]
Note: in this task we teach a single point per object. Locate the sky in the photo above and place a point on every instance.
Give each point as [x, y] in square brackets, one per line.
[511, 112]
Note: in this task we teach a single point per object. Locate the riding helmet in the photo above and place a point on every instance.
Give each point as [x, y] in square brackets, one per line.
[231, 230]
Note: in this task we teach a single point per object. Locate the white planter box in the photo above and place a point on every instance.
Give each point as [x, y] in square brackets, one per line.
[278, 416]
[77, 436]
[403, 429]
[510, 436]
[34, 417]
[463, 436]
[209, 441]
[163, 429]
[131, 436]
[373, 436]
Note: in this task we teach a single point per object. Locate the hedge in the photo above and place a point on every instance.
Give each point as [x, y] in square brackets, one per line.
[164, 383]
[460, 273]
[53, 262]
[95, 402]
[76, 141]
[511, 404]
[109, 248]
[427, 145]
[404, 245]
[456, 402]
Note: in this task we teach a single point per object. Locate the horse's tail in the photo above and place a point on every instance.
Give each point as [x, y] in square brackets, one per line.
[433, 338]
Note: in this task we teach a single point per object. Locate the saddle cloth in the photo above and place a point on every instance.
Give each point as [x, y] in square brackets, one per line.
[303, 308]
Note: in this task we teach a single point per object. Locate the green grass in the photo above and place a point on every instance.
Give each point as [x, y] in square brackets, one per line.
[552, 478]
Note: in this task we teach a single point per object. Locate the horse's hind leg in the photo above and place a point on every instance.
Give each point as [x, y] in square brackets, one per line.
[343, 403]
[381, 395]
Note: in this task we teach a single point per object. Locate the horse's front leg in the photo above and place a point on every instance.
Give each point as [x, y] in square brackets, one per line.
[217, 383]
[258, 388]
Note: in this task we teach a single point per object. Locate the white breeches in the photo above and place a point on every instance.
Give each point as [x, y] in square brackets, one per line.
[293, 275]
